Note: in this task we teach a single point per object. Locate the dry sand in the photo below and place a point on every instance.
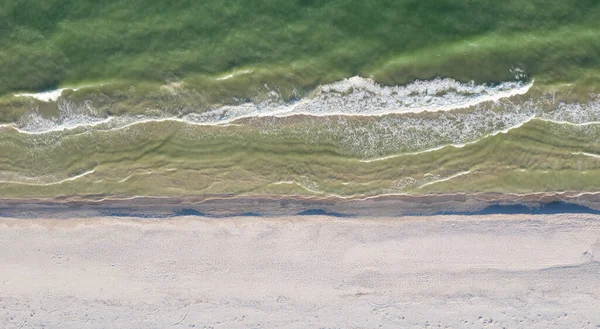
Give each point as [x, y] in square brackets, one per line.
[501, 271]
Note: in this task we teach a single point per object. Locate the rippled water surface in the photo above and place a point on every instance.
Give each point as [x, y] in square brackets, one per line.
[298, 97]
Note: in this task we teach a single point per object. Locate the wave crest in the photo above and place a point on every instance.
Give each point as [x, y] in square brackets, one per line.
[351, 97]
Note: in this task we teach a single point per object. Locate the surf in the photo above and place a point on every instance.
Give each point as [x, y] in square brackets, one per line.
[355, 96]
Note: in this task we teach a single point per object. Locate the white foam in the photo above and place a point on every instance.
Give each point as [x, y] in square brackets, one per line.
[231, 75]
[461, 145]
[329, 106]
[587, 154]
[350, 97]
[561, 122]
[364, 97]
[50, 95]
[446, 178]
[71, 117]
[311, 188]
[40, 125]
[28, 181]
[579, 114]
[46, 96]
[412, 153]
[284, 182]
[73, 178]
[147, 172]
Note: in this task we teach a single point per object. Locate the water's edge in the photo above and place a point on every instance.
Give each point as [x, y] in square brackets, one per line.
[269, 206]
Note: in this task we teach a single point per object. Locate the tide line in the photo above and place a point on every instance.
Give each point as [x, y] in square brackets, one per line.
[53, 183]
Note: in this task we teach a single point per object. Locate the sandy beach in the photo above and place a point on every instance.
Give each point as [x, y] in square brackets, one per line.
[498, 271]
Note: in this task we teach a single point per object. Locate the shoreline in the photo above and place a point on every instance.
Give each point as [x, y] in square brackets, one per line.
[281, 205]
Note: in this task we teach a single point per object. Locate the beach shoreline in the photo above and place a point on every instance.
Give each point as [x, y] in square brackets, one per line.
[285, 205]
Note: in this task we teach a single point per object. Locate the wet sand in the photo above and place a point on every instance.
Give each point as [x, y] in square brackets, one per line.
[392, 205]
[512, 271]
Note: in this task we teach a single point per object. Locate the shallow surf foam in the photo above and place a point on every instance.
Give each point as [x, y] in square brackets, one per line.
[350, 97]
[49, 95]
[71, 116]
[45, 96]
[46, 180]
[364, 97]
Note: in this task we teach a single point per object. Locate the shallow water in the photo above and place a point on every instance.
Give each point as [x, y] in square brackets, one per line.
[298, 97]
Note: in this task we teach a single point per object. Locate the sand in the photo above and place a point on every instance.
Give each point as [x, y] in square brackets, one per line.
[499, 271]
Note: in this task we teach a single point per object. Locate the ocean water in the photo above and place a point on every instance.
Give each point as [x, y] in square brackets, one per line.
[298, 97]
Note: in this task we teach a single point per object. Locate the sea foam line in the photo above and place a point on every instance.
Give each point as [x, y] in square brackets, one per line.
[363, 97]
[87, 122]
[233, 74]
[289, 182]
[446, 179]
[350, 97]
[52, 183]
[589, 123]
[46, 96]
[586, 154]
[503, 131]
[50, 95]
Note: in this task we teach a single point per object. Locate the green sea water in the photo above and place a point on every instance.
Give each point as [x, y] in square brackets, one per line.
[50, 43]
[250, 97]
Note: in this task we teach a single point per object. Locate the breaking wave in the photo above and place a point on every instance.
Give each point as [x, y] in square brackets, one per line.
[364, 97]
[350, 97]
[49, 95]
